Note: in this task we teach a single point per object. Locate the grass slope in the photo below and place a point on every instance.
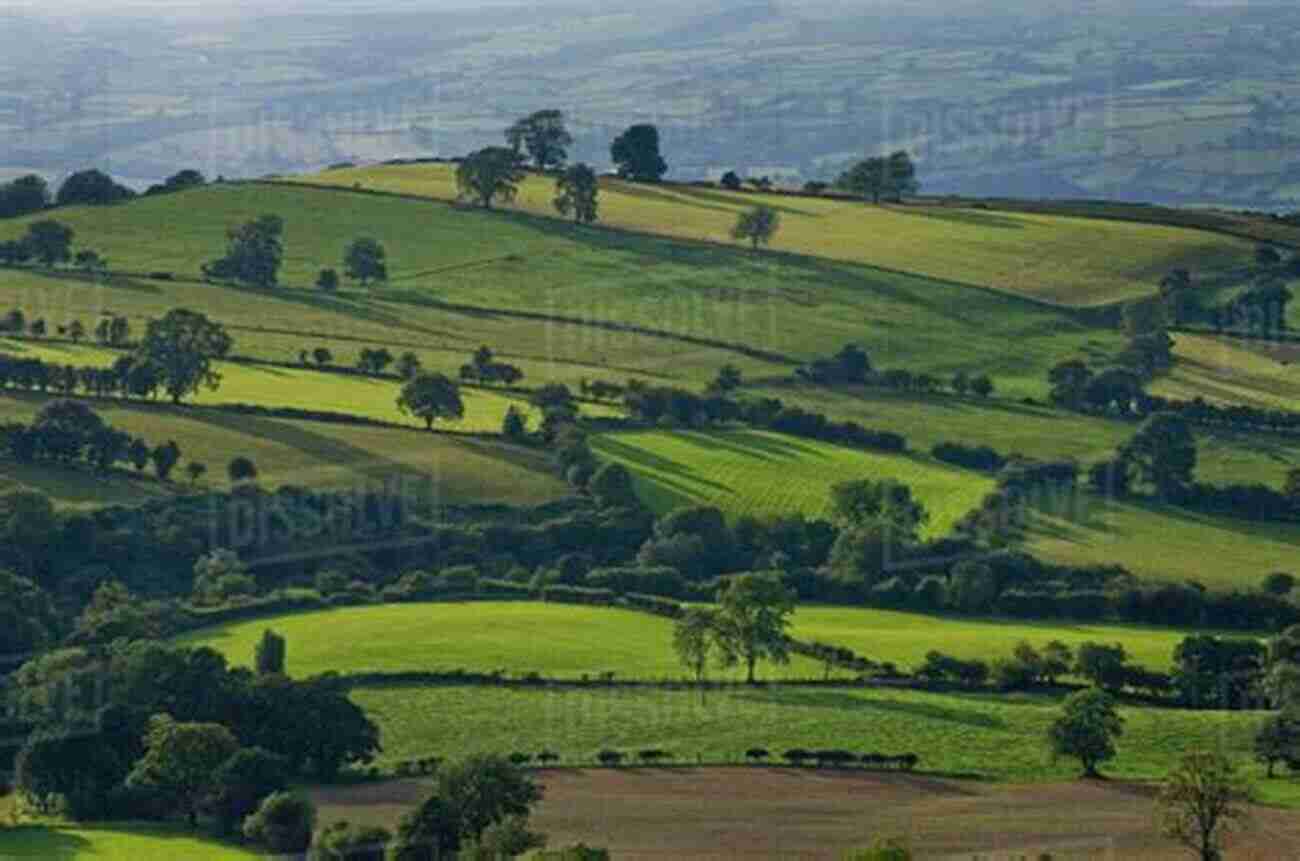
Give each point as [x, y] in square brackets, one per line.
[765, 474]
[553, 639]
[999, 736]
[1074, 261]
[304, 453]
[791, 305]
[113, 843]
[904, 638]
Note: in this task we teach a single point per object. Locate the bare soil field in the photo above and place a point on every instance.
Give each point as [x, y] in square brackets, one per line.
[820, 814]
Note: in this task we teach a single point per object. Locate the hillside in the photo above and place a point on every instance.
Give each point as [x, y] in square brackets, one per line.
[1065, 260]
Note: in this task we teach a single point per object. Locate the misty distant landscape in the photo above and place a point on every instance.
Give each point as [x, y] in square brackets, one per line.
[1175, 102]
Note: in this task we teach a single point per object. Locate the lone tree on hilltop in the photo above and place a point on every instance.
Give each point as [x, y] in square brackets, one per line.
[364, 261]
[758, 225]
[489, 174]
[636, 154]
[431, 397]
[544, 136]
[576, 193]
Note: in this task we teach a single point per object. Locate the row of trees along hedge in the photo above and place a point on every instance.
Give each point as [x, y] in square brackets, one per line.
[852, 366]
[112, 330]
[176, 357]
[67, 432]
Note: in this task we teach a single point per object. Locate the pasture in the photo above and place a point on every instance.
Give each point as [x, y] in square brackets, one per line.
[767, 474]
[1060, 259]
[460, 469]
[557, 640]
[503, 264]
[113, 843]
[904, 638]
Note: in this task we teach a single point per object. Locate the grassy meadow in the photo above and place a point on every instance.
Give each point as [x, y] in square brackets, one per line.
[558, 640]
[503, 263]
[113, 843]
[996, 736]
[765, 474]
[1067, 260]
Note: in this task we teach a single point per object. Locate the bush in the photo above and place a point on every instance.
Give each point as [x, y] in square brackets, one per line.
[610, 757]
[283, 823]
[971, 457]
[343, 841]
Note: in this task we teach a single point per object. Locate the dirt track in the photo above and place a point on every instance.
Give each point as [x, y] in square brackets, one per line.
[809, 814]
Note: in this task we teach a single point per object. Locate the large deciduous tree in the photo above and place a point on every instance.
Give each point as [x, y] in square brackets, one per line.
[254, 252]
[753, 617]
[576, 193]
[182, 760]
[365, 261]
[636, 154]
[92, 187]
[490, 174]
[49, 241]
[183, 346]
[24, 195]
[757, 225]
[543, 136]
[867, 179]
[694, 640]
[1086, 729]
[431, 397]
[1164, 453]
[1201, 802]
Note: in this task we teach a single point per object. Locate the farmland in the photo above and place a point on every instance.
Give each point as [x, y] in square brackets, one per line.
[765, 474]
[1070, 261]
[111, 843]
[555, 640]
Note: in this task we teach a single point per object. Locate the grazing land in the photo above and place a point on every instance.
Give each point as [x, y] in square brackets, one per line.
[766, 474]
[113, 843]
[556, 640]
[1065, 260]
[821, 814]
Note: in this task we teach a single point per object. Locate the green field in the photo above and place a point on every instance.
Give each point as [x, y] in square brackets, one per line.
[766, 474]
[512, 262]
[999, 736]
[287, 451]
[113, 843]
[557, 640]
[1073, 261]
[1229, 371]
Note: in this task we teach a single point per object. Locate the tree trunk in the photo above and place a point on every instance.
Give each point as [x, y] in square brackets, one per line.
[749, 677]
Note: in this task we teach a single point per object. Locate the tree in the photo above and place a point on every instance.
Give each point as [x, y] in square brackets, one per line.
[268, 656]
[14, 252]
[1104, 666]
[636, 154]
[93, 188]
[469, 797]
[28, 621]
[408, 365]
[758, 225]
[431, 397]
[981, 385]
[327, 280]
[1086, 729]
[1278, 740]
[182, 760]
[322, 356]
[364, 261]
[514, 426]
[1201, 802]
[76, 331]
[179, 181]
[490, 173]
[49, 241]
[577, 191]
[1279, 583]
[867, 179]
[165, 456]
[694, 638]
[728, 379]
[243, 781]
[887, 503]
[195, 470]
[344, 841]
[24, 195]
[900, 175]
[612, 487]
[77, 767]
[973, 587]
[254, 252]
[1069, 380]
[543, 135]
[731, 181]
[283, 823]
[90, 262]
[241, 469]
[1164, 453]
[753, 616]
[183, 346]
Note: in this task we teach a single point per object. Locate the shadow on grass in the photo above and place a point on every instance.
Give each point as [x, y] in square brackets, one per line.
[845, 701]
[962, 216]
[43, 842]
[655, 467]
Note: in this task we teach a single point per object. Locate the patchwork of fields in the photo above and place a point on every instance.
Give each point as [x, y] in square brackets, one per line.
[1072, 261]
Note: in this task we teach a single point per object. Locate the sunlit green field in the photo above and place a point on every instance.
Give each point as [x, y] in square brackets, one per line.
[998, 736]
[113, 843]
[904, 638]
[306, 389]
[766, 474]
[286, 451]
[1229, 371]
[794, 306]
[557, 640]
[1074, 261]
